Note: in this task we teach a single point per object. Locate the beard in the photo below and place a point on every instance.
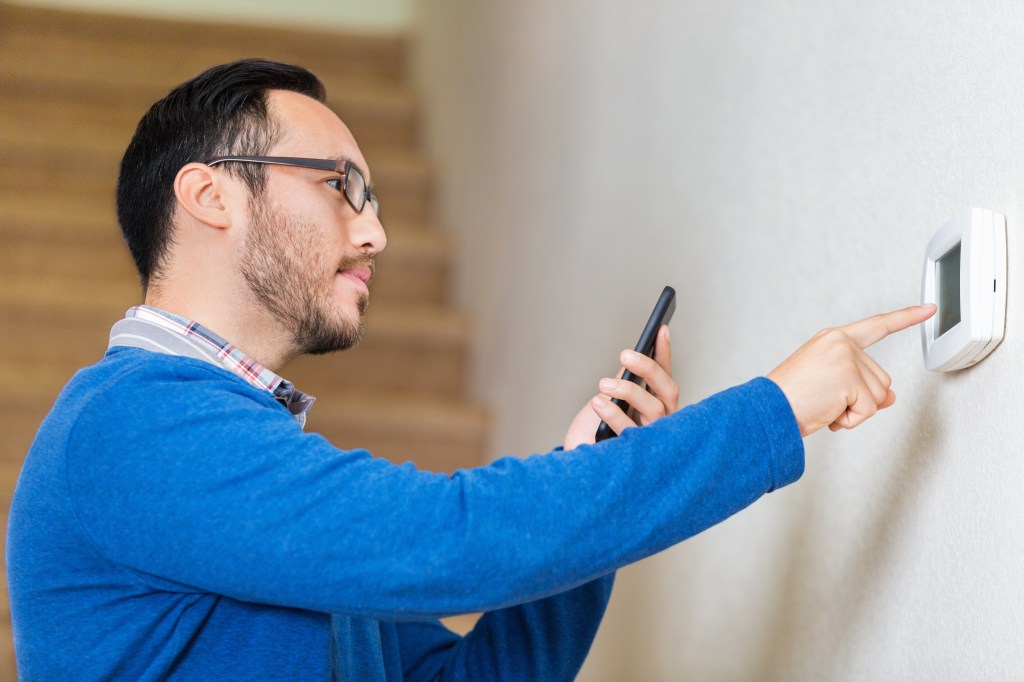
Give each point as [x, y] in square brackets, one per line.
[284, 265]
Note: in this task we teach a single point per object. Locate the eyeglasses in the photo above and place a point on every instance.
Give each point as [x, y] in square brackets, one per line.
[353, 183]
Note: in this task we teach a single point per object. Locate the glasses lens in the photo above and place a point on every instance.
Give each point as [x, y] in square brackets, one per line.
[355, 189]
[374, 204]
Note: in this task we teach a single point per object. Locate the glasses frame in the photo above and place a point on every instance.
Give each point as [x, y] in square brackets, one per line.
[343, 168]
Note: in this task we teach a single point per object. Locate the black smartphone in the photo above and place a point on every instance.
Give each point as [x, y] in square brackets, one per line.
[662, 314]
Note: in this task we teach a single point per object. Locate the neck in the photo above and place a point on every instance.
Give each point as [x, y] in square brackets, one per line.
[260, 335]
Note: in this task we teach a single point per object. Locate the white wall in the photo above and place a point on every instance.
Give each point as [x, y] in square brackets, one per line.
[783, 164]
[378, 15]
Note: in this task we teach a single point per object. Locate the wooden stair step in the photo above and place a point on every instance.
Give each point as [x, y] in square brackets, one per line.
[30, 257]
[161, 45]
[413, 269]
[412, 351]
[114, 104]
[161, 64]
[434, 434]
[10, 469]
[8, 665]
[46, 191]
[106, 114]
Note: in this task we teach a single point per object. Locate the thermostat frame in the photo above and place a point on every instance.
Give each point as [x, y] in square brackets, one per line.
[981, 236]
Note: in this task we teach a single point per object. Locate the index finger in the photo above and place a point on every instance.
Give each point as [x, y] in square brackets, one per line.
[871, 330]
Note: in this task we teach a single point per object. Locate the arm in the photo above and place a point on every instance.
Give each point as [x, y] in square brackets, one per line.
[547, 639]
[209, 485]
[539, 640]
[193, 477]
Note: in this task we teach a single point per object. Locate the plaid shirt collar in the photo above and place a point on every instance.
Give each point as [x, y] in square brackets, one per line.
[217, 351]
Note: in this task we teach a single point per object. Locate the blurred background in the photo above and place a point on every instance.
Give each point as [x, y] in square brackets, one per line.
[544, 169]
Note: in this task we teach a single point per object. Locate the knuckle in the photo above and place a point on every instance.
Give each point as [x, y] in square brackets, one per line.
[646, 363]
[837, 335]
[865, 406]
[848, 353]
[851, 374]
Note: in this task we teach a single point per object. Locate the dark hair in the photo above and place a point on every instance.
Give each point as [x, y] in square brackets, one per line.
[221, 111]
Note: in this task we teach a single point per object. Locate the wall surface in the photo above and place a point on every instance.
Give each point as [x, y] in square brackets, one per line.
[379, 15]
[782, 163]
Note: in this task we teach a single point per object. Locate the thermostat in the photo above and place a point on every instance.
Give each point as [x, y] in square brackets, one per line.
[965, 276]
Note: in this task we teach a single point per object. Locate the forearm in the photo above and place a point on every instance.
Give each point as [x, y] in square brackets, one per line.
[546, 639]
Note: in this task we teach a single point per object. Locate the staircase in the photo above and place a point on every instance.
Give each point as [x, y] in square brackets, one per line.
[72, 88]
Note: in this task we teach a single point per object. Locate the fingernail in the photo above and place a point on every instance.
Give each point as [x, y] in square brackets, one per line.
[599, 402]
[630, 356]
[608, 384]
[667, 333]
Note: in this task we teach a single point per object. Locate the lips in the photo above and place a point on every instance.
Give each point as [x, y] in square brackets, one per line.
[364, 274]
[359, 274]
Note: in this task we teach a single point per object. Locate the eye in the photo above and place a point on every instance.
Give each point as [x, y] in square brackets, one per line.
[336, 183]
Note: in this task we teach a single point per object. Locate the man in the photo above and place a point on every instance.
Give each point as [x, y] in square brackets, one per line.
[174, 521]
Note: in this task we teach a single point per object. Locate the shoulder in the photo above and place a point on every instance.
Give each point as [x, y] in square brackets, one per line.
[149, 376]
[141, 411]
[134, 392]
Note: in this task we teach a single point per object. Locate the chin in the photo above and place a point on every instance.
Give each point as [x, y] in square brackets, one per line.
[322, 325]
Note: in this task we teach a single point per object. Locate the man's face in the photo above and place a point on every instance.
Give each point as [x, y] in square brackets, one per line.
[308, 256]
[289, 274]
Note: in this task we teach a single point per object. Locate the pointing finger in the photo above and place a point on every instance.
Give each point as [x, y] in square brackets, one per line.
[873, 329]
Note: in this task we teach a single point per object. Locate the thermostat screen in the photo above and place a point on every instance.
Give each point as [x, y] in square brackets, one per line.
[947, 281]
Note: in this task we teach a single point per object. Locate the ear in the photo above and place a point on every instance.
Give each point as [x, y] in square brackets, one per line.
[204, 194]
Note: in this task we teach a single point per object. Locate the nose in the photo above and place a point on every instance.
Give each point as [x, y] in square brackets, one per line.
[367, 233]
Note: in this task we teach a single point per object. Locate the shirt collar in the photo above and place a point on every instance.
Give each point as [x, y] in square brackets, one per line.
[143, 326]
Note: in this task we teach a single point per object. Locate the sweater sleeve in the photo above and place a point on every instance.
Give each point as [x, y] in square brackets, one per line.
[546, 639]
[206, 484]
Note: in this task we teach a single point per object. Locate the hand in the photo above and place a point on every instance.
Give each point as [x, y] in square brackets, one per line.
[661, 397]
[830, 380]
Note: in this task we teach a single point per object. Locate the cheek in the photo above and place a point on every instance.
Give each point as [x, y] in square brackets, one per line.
[312, 247]
[322, 230]
[309, 239]
[317, 263]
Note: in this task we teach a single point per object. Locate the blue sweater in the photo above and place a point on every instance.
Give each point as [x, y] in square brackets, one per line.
[174, 522]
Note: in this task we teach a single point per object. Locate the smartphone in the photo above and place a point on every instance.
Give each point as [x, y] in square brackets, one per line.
[662, 314]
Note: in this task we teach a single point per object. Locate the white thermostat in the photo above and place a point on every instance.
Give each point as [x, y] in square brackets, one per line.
[965, 276]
